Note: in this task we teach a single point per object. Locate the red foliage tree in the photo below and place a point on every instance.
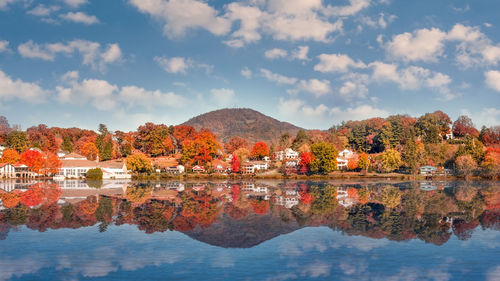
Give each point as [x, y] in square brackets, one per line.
[32, 197]
[235, 164]
[51, 165]
[260, 207]
[463, 126]
[305, 162]
[260, 150]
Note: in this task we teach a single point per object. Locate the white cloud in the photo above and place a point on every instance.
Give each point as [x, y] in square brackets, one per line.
[70, 76]
[133, 95]
[278, 78]
[300, 53]
[246, 72]
[5, 3]
[313, 112]
[314, 86]
[351, 90]
[421, 45]
[301, 27]
[291, 107]
[174, 65]
[382, 21]
[75, 3]
[412, 78]
[4, 46]
[357, 113]
[354, 7]
[474, 47]
[181, 15]
[493, 274]
[100, 93]
[80, 17]
[249, 19]
[18, 89]
[276, 53]
[493, 79]
[223, 97]
[43, 11]
[336, 63]
[90, 51]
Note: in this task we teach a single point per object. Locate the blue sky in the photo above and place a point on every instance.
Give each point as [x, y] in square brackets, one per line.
[310, 62]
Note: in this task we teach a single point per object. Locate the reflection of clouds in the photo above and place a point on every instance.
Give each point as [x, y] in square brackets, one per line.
[18, 267]
[493, 274]
[316, 269]
[488, 238]
[283, 277]
[223, 259]
[359, 242]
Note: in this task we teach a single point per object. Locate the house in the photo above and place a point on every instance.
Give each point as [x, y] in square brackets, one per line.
[254, 166]
[343, 158]
[175, 170]
[428, 170]
[2, 148]
[287, 154]
[114, 169]
[75, 166]
[22, 171]
[198, 169]
[220, 166]
[7, 170]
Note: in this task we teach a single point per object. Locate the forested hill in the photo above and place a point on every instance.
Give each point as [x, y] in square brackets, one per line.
[243, 122]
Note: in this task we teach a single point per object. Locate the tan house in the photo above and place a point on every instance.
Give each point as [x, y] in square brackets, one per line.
[114, 169]
[75, 166]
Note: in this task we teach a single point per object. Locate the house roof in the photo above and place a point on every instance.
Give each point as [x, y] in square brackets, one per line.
[73, 155]
[78, 163]
[112, 164]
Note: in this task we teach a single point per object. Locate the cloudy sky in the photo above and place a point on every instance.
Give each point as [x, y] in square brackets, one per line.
[310, 62]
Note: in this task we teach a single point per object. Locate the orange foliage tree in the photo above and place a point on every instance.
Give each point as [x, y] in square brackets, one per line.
[201, 150]
[32, 197]
[10, 156]
[260, 150]
[352, 163]
[234, 143]
[352, 192]
[51, 164]
[33, 159]
[90, 151]
[10, 200]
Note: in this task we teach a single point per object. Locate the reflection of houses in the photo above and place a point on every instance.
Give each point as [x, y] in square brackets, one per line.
[75, 166]
[427, 186]
[343, 158]
[252, 190]
[74, 191]
[114, 169]
[289, 199]
[10, 185]
[287, 154]
[343, 197]
[428, 170]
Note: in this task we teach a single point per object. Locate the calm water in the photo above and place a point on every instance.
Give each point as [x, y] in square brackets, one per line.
[250, 231]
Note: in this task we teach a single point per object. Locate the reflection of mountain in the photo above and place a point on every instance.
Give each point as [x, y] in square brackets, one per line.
[246, 232]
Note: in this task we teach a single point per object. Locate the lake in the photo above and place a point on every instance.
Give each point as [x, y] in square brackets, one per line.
[254, 230]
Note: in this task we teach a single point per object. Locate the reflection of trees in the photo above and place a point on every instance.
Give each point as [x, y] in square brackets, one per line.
[376, 211]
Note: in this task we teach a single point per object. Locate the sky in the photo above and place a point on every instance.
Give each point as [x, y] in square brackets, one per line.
[314, 63]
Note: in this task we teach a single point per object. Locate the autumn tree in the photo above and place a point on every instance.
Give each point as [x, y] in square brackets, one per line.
[285, 141]
[138, 163]
[183, 133]
[17, 140]
[325, 158]
[305, 162]
[201, 150]
[300, 139]
[242, 154]
[364, 162]
[463, 126]
[10, 156]
[104, 143]
[472, 147]
[234, 143]
[260, 150]
[154, 139]
[465, 165]
[67, 145]
[352, 163]
[391, 160]
[51, 164]
[33, 159]
[491, 162]
[90, 151]
[235, 163]
[42, 137]
[433, 126]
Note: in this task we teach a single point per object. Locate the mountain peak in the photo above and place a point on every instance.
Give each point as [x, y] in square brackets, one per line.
[243, 122]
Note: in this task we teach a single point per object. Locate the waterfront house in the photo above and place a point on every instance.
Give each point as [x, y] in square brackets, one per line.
[254, 166]
[7, 170]
[343, 158]
[198, 169]
[175, 170]
[287, 154]
[114, 169]
[428, 170]
[75, 166]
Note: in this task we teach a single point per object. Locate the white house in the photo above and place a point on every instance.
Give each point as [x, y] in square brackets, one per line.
[114, 169]
[75, 166]
[254, 166]
[288, 154]
[343, 158]
[7, 170]
[179, 169]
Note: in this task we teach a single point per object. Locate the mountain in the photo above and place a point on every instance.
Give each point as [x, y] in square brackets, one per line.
[243, 122]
